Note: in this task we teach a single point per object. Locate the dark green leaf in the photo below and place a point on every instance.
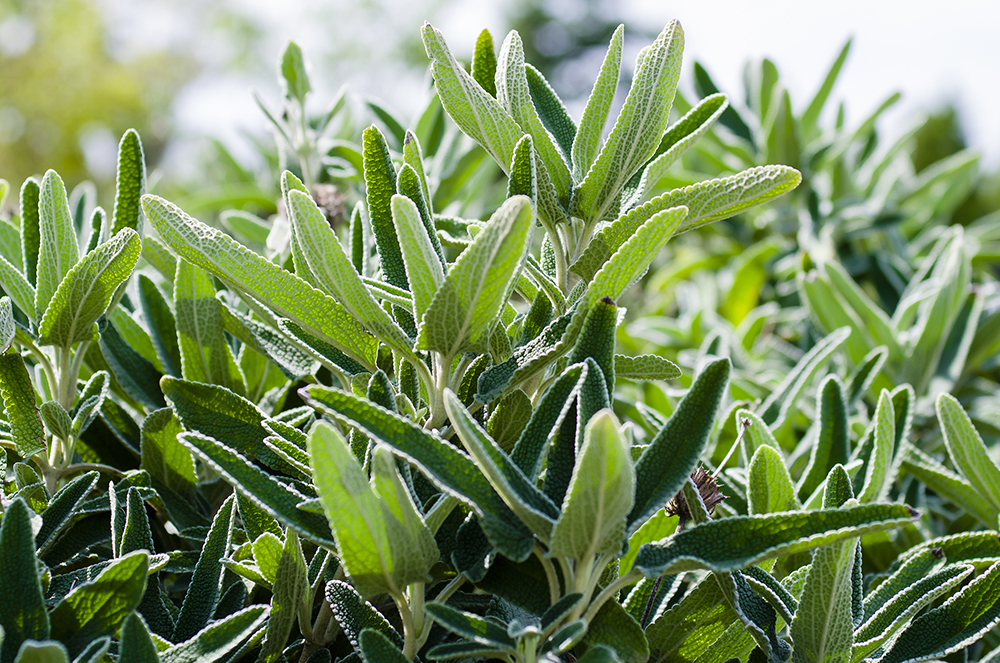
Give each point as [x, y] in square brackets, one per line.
[22, 611]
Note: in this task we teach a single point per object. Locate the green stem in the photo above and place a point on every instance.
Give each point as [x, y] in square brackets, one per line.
[87, 467]
[610, 591]
[560, 253]
[40, 357]
[442, 371]
[409, 634]
[550, 574]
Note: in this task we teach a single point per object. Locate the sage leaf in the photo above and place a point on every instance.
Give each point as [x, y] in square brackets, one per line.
[590, 133]
[57, 248]
[23, 615]
[130, 184]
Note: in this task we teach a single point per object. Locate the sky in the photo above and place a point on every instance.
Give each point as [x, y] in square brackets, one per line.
[930, 52]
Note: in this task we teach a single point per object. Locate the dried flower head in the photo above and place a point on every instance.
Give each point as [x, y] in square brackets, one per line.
[707, 488]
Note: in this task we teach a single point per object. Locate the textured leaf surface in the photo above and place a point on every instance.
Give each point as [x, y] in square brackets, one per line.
[16, 285]
[336, 275]
[19, 401]
[733, 543]
[423, 267]
[877, 477]
[478, 284]
[206, 583]
[590, 133]
[97, 608]
[355, 614]
[221, 637]
[448, 468]
[671, 456]
[646, 367]
[283, 292]
[967, 450]
[822, 629]
[639, 127]
[769, 485]
[57, 249]
[600, 494]
[130, 184]
[23, 614]
[960, 621]
[205, 353]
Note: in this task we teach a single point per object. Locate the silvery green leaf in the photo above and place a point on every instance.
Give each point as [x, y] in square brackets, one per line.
[205, 354]
[600, 494]
[14, 284]
[423, 268]
[7, 328]
[770, 487]
[336, 275]
[514, 95]
[646, 367]
[639, 127]
[877, 478]
[590, 133]
[822, 629]
[479, 284]
[88, 289]
[130, 184]
[294, 77]
[252, 275]
[58, 250]
[967, 450]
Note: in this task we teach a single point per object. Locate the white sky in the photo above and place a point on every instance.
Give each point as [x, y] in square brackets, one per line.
[931, 52]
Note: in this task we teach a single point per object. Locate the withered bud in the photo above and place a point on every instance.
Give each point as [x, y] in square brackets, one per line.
[707, 488]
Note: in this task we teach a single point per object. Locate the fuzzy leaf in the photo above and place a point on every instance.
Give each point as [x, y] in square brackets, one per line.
[646, 367]
[206, 583]
[967, 450]
[423, 267]
[770, 487]
[877, 477]
[252, 275]
[57, 250]
[639, 126]
[590, 133]
[477, 286]
[219, 638]
[22, 612]
[130, 184]
[19, 401]
[733, 543]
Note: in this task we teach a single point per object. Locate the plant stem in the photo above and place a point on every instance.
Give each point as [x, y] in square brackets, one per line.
[609, 591]
[442, 370]
[550, 574]
[560, 253]
[406, 615]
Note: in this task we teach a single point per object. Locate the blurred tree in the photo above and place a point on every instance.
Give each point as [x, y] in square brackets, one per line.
[65, 100]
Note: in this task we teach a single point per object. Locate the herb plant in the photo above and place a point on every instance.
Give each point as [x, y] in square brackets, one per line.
[410, 436]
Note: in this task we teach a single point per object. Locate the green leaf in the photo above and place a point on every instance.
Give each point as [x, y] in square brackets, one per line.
[57, 249]
[690, 626]
[375, 646]
[812, 112]
[354, 614]
[136, 374]
[550, 411]
[249, 274]
[294, 78]
[590, 133]
[833, 444]
[960, 621]
[289, 590]
[469, 626]
[597, 340]
[530, 504]
[615, 629]
[60, 510]
[822, 629]
[678, 138]
[752, 539]
[645, 367]
[335, 273]
[6, 324]
[780, 402]
[380, 185]
[423, 268]
[479, 283]
[551, 110]
[130, 184]
[904, 605]
[97, 608]
[514, 95]
[673, 453]
[15, 285]
[948, 485]
[411, 184]
[600, 494]
[878, 480]
[770, 488]
[19, 401]
[159, 317]
[484, 63]
[218, 639]
[639, 126]
[205, 354]
[451, 470]
[42, 652]
[136, 643]
[206, 584]
[23, 614]
[967, 450]
[294, 363]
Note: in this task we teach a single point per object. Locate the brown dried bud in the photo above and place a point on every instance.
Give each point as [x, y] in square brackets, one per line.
[707, 489]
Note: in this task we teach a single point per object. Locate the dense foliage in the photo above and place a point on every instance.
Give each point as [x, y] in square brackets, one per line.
[390, 422]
